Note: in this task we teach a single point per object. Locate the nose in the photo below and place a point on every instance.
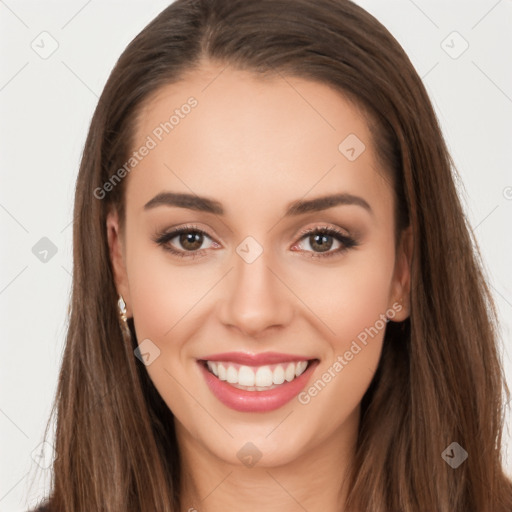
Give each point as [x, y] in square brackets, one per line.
[257, 298]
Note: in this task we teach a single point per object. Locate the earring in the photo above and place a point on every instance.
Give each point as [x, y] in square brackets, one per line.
[122, 308]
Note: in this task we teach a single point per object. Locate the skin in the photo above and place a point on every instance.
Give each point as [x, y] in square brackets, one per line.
[256, 145]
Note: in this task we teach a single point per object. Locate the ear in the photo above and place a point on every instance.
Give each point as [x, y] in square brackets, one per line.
[117, 257]
[399, 301]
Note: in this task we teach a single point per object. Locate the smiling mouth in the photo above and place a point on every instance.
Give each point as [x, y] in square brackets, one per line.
[257, 378]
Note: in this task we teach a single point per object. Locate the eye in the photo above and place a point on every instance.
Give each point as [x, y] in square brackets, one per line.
[190, 238]
[320, 239]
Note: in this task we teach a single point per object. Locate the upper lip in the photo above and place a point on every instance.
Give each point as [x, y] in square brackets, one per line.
[249, 359]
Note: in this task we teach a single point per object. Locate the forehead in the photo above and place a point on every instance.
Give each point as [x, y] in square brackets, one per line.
[221, 126]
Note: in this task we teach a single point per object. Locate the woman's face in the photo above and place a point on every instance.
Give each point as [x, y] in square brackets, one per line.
[245, 278]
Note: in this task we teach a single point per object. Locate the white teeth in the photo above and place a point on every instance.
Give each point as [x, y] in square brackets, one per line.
[301, 367]
[232, 375]
[257, 377]
[263, 376]
[222, 372]
[289, 374]
[245, 376]
[278, 375]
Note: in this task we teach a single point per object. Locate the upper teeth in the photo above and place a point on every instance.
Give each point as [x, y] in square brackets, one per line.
[257, 376]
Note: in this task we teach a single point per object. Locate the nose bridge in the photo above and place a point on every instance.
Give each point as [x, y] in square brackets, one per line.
[257, 299]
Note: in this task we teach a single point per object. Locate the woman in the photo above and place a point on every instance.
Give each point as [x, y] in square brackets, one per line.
[276, 300]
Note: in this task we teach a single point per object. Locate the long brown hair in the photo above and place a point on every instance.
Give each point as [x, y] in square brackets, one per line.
[440, 379]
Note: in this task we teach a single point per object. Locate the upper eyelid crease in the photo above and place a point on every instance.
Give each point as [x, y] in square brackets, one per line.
[299, 207]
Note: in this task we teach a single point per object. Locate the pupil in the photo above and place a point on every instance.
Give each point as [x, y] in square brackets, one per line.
[195, 239]
[320, 240]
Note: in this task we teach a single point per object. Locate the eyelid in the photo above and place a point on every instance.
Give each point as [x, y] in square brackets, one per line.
[322, 227]
[345, 239]
[162, 238]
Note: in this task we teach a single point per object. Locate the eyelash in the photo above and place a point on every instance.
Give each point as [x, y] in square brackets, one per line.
[347, 242]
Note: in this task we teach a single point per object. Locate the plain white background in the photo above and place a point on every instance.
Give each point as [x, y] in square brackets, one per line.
[45, 109]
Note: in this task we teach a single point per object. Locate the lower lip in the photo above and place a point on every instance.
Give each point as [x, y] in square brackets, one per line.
[256, 401]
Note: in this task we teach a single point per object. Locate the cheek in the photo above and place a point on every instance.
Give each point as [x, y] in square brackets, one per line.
[164, 293]
[165, 300]
[351, 297]
[353, 304]
[354, 307]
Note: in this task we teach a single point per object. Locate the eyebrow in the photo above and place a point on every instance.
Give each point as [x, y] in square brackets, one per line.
[299, 207]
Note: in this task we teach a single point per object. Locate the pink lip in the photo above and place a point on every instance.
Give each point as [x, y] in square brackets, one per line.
[255, 359]
[256, 401]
